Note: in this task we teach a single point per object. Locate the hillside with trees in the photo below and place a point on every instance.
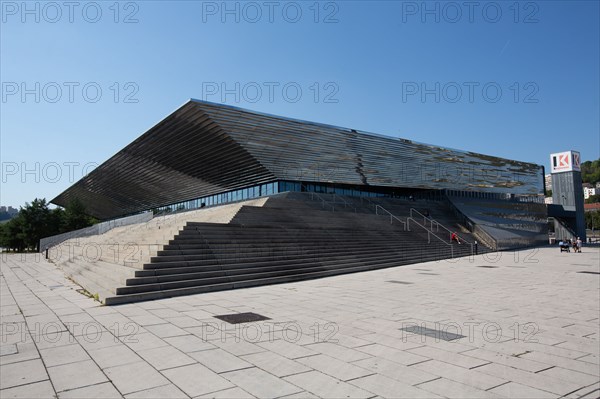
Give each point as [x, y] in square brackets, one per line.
[590, 172]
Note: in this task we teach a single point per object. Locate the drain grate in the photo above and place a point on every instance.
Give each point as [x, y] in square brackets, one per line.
[237, 318]
[398, 282]
[430, 274]
[586, 272]
[489, 267]
[437, 334]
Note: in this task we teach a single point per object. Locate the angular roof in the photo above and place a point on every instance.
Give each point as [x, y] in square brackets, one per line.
[205, 148]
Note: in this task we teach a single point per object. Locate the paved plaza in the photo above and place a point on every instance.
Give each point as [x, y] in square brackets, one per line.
[512, 324]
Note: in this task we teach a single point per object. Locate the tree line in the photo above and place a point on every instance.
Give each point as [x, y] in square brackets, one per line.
[36, 220]
[592, 220]
[590, 171]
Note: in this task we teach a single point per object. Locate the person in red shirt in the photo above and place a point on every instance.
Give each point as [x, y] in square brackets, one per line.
[454, 237]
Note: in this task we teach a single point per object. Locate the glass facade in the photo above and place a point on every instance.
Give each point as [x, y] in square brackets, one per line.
[496, 196]
[324, 188]
[222, 198]
[327, 188]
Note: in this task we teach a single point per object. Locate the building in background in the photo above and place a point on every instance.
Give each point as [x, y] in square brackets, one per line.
[592, 207]
[548, 181]
[588, 190]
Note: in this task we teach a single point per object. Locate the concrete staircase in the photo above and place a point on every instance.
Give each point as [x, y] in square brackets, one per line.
[293, 237]
[103, 262]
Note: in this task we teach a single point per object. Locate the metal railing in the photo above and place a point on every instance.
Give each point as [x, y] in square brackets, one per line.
[346, 204]
[323, 201]
[380, 210]
[477, 231]
[437, 224]
[332, 203]
[392, 216]
[97, 229]
[366, 199]
[430, 233]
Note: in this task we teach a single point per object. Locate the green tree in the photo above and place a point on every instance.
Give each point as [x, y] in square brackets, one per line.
[12, 236]
[37, 222]
[592, 220]
[75, 216]
[590, 171]
[593, 199]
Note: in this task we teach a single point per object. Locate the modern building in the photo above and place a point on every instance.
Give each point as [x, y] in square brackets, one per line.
[275, 199]
[206, 154]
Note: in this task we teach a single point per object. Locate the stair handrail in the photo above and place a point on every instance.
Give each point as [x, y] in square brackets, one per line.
[485, 236]
[438, 224]
[346, 204]
[366, 199]
[313, 194]
[392, 216]
[431, 233]
[479, 232]
[323, 201]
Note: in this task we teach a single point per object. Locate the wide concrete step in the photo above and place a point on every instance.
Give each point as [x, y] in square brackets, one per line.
[243, 246]
[100, 277]
[240, 281]
[237, 255]
[92, 286]
[240, 269]
[169, 293]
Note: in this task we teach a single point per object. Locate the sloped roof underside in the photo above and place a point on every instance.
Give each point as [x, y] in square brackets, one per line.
[184, 157]
[204, 148]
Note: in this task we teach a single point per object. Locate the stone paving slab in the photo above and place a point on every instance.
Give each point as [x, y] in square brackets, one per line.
[531, 329]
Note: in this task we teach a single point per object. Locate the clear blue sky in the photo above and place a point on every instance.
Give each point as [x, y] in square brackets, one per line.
[370, 61]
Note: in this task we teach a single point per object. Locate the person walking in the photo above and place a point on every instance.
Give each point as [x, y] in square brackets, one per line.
[579, 244]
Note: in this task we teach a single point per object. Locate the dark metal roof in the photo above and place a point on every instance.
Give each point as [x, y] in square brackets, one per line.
[205, 148]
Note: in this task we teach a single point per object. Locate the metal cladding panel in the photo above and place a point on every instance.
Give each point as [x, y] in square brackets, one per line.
[204, 148]
[567, 192]
[299, 150]
[184, 157]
